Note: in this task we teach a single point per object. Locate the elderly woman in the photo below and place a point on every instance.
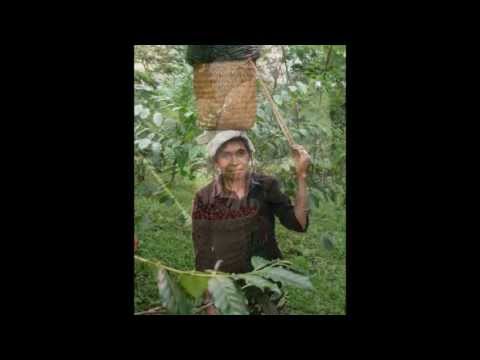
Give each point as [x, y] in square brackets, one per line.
[234, 215]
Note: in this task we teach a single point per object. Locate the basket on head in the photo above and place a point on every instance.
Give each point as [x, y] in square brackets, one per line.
[225, 95]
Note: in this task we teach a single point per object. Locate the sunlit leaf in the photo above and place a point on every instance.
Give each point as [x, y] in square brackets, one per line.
[171, 296]
[278, 99]
[259, 282]
[157, 119]
[286, 277]
[258, 262]
[143, 143]
[303, 88]
[193, 285]
[227, 297]
[144, 114]
[156, 147]
[138, 109]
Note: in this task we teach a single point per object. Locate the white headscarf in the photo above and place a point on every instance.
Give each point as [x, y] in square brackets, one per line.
[216, 138]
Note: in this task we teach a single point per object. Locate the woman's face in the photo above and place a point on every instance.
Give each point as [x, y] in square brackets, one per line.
[232, 159]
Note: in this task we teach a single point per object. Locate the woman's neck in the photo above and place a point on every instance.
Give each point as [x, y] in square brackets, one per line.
[235, 184]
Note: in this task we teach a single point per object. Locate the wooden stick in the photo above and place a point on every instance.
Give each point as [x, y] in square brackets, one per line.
[278, 116]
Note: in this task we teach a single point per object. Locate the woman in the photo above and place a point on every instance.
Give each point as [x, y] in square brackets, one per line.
[234, 215]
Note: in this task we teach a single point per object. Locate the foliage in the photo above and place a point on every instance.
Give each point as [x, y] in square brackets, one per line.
[165, 116]
[311, 97]
[163, 235]
[181, 290]
[308, 84]
[312, 100]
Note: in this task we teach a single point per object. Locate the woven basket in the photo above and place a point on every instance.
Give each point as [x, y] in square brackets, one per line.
[225, 94]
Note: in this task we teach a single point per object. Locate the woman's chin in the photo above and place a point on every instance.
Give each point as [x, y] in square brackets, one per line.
[236, 174]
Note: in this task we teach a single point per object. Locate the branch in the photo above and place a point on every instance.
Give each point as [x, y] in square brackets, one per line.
[328, 58]
[278, 116]
[159, 180]
[152, 311]
[158, 264]
[297, 113]
[286, 67]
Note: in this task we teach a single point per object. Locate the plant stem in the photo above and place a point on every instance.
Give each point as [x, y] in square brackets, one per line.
[328, 58]
[277, 115]
[286, 66]
[150, 167]
[153, 310]
[158, 264]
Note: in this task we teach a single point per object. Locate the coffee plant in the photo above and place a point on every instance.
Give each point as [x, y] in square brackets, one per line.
[181, 292]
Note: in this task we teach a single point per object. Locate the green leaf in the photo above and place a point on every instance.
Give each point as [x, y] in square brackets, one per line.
[138, 109]
[162, 196]
[157, 119]
[171, 296]
[196, 150]
[144, 224]
[259, 282]
[303, 132]
[226, 297]
[144, 114]
[261, 113]
[285, 166]
[278, 99]
[165, 289]
[317, 197]
[302, 87]
[286, 277]
[143, 143]
[169, 124]
[258, 262]
[193, 285]
[328, 242]
[156, 147]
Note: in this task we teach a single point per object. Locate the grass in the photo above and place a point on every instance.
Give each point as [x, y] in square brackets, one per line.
[164, 235]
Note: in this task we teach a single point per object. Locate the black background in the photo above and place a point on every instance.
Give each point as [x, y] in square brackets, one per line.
[85, 196]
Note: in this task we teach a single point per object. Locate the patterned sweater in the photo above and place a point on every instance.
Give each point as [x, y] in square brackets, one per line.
[233, 230]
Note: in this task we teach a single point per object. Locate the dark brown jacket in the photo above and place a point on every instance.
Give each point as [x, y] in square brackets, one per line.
[233, 230]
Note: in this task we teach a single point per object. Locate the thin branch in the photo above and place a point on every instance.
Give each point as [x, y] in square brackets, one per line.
[158, 264]
[204, 307]
[278, 116]
[286, 66]
[157, 177]
[151, 311]
[328, 57]
[297, 113]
